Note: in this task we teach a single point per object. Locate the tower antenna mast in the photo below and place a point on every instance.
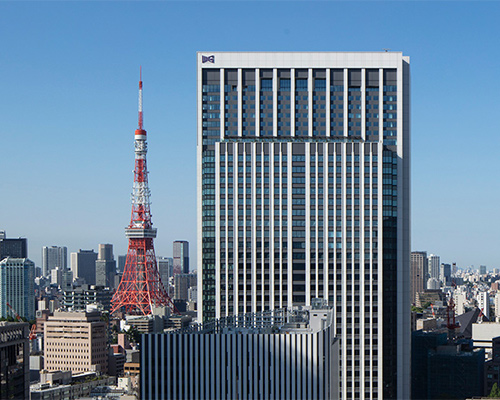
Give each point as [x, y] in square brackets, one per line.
[140, 99]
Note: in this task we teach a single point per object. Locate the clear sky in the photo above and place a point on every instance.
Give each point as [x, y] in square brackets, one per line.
[68, 110]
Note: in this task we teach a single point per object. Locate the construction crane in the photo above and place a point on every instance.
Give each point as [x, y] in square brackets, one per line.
[450, 316]
[32, 334]
[19, 319]
[480, 316]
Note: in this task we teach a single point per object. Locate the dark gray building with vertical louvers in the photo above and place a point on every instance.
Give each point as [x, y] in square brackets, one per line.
[14, 360]
[304, 192]
[279, 354]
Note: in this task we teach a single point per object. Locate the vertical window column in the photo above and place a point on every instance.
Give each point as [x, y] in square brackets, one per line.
[300, 106]
[363, 104]
[248, 103]
[289, 230]
[318, 104]
[346, 96]
[269, 282]
[244, 239]
[309, 171]
[292, 102]
[230, 103]
[254, 225]
[236, 250]
[257, 102]
[310, 101]
[267, 98]
[328, 104]
[240, 102]
[217, 171]
[275, 102]
[222, 109]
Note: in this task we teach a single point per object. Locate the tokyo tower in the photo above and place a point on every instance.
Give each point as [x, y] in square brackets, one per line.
[140, 288]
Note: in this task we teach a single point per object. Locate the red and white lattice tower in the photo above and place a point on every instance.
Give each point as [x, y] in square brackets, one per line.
[140, 287]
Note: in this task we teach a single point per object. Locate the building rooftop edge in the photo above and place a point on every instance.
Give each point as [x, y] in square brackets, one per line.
[300, 52]
[15, 258]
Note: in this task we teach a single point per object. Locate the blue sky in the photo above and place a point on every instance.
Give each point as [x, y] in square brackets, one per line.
[68, 109]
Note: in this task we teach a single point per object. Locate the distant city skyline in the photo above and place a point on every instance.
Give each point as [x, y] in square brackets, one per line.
[70, 71]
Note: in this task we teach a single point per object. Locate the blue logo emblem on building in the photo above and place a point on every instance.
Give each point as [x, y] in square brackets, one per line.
[210, 59]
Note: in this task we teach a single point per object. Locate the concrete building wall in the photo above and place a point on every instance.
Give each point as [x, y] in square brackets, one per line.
[75, 341]
[483, 334]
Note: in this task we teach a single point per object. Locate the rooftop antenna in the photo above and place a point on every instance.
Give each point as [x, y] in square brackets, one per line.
[140, 98]
[386, 50]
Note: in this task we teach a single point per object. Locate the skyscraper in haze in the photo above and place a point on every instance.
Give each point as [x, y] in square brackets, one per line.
[303, 193]
[418, 273]
[13, 247]
[166, 269]
[445, 274]
[83, 265]
[434, 263]
[181, 257]
[52, 257]
[121, 263]
[105, 266]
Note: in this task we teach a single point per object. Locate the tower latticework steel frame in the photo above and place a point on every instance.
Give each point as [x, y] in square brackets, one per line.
[140, 288]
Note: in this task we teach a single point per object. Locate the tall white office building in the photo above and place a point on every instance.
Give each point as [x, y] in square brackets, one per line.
[483, 302]
[303, 193]
[497, 307]
[52, 257]
[434, 266]
[460, 299]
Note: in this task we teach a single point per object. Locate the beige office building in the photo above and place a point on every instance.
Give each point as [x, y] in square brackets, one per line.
[418, 273]
[76, 341]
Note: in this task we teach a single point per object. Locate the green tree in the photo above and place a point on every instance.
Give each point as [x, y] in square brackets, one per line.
[133, 335]
[426, 305]
[495, 392]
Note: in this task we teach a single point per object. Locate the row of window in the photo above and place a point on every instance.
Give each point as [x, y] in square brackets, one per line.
[295, 158]
[301, 84]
